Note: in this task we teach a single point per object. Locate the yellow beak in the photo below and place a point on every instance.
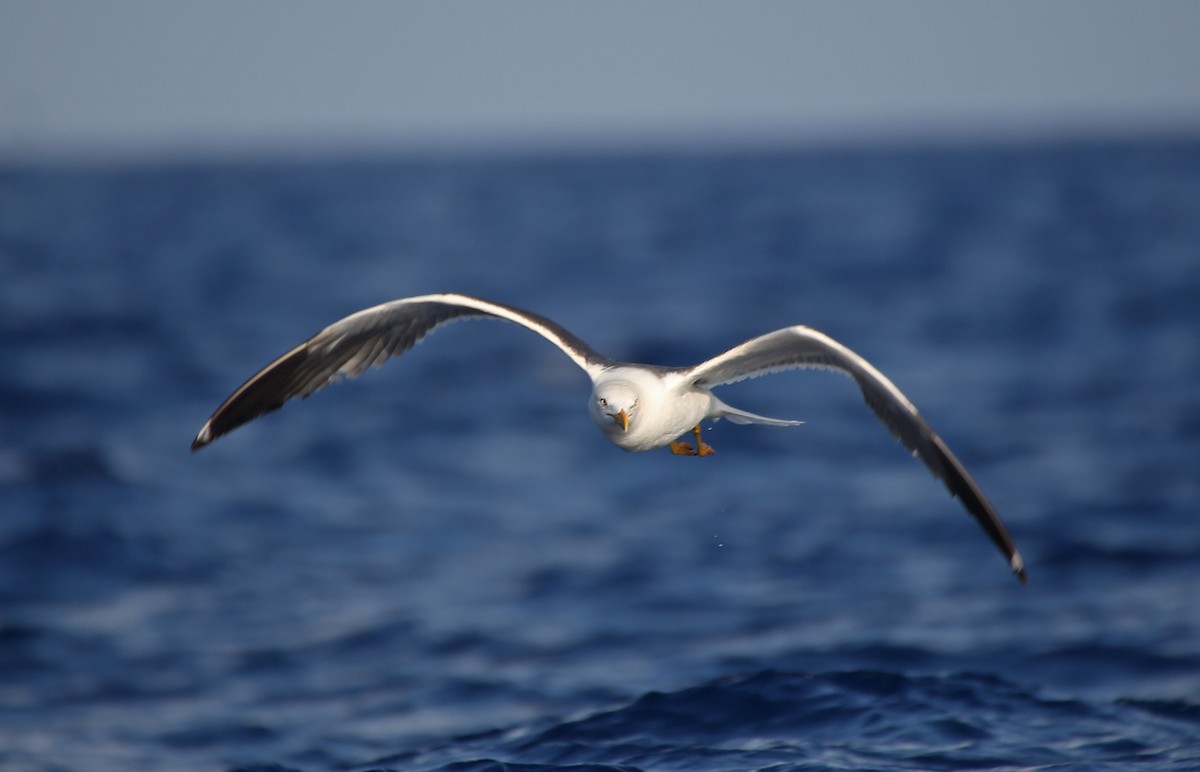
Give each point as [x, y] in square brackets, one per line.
[622, 418]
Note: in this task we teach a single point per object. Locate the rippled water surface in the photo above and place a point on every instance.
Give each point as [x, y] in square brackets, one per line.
[445, 566]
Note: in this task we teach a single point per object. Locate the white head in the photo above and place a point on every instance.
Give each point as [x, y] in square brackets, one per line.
[614, 406]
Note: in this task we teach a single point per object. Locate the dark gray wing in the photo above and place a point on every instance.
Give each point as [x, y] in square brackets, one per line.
[368, 339]
[802, 347]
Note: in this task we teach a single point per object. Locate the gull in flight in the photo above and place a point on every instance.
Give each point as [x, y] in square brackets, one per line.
[638, 407]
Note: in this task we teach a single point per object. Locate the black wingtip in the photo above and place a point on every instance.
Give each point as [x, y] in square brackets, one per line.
[1018, 568]
[202, 439]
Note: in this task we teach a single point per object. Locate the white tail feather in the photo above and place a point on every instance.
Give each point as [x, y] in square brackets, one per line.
[721, 410]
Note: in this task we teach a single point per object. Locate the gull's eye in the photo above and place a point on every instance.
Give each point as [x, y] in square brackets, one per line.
[603, 402]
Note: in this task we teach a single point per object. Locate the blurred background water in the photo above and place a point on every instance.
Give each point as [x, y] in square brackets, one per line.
[445, 566]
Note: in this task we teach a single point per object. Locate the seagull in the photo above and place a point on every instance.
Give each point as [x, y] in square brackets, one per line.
[638, 407]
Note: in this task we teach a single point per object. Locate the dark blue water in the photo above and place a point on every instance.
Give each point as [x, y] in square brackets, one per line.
[445, 566]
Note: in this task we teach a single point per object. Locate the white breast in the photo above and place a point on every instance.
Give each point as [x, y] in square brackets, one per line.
[667, 409]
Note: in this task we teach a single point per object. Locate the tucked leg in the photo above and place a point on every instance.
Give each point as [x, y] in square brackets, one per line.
[686, 449]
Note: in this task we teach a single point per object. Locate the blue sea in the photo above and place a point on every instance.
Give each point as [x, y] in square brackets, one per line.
[444, 566]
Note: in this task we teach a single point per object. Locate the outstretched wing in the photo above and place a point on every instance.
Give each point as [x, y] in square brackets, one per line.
[802, 347]
[368, 339]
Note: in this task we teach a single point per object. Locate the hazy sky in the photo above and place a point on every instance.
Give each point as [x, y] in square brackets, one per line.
[158, 76]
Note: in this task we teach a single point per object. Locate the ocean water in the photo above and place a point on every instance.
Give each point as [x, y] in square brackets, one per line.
[444, 566]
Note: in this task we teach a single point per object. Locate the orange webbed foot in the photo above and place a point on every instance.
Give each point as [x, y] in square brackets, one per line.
[686, 449]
